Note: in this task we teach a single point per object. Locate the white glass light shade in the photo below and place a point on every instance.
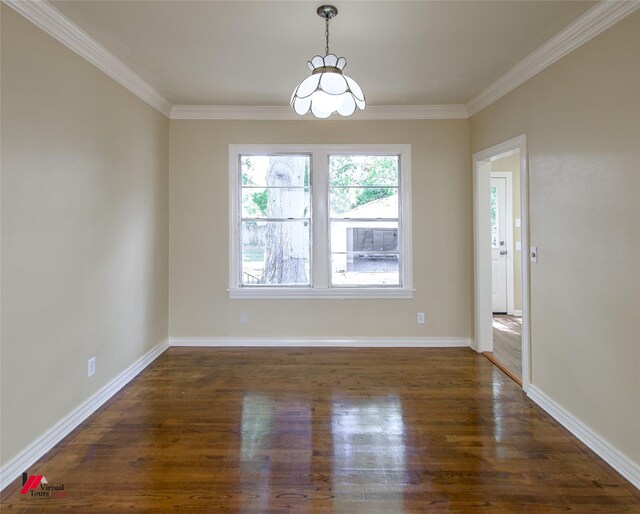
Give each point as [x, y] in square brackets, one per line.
[327, 90]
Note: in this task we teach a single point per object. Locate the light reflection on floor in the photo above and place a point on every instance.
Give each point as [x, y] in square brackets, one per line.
[498, 414]
[368, 450]
[275, 446]
[255, 465]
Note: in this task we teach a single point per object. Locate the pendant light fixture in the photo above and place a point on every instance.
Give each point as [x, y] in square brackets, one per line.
[327, 90]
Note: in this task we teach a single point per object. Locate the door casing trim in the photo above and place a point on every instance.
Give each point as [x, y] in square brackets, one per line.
[483, 339]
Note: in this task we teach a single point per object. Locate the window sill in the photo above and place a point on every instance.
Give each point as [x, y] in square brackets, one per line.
[371, 293]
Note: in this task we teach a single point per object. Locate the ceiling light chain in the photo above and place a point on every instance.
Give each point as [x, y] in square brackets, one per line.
[327, 90]
[326, 34]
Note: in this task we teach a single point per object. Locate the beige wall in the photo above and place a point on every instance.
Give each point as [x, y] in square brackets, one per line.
[582, 120]
[199, 277]
[511, 164]
[85, 247]
[84, 231]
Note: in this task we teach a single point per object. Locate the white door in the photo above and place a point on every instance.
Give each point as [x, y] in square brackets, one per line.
[499, 244]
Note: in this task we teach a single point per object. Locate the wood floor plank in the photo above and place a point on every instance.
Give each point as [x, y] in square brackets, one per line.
[507, 343]
[324, 430]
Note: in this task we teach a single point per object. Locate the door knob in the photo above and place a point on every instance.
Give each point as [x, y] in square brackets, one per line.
[501, 243]
[503, 252]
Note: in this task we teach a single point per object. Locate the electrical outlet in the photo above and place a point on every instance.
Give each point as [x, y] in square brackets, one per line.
[244, 318]
[91, 366]
[421, 318]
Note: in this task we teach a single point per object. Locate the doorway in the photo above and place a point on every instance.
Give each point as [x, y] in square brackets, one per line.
[500, 260]
[506, 247]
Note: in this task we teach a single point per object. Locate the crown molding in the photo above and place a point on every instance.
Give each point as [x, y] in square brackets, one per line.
[412, 112]
[377, 112]
[589, 25]
[54, 23]
[593, 22]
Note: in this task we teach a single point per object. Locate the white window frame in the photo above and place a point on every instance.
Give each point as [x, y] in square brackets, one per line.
[320, 243]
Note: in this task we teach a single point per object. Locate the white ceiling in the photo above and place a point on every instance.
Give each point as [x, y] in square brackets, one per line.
[254, 53]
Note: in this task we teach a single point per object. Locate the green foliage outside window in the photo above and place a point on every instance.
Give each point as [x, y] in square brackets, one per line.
[353, 171]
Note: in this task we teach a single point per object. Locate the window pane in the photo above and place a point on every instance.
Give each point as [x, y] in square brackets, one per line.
[260, 202]
[363, 203]
[275, 253]
[363, 170]
[364, 253]
[494, 217]
[276, 170]
[365, 269]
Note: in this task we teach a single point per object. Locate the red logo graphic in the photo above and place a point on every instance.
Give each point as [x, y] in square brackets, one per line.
[37, 486]
[32, 483]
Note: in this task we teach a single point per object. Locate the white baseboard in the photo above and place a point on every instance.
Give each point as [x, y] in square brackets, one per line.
[14, 468]
[517, 313]
[611, 455]
[362, 342]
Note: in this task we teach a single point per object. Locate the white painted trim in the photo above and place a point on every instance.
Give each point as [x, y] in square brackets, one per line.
[503, 149]
[12, 469]
[53, 22]
[482, 248]
[406, 218]
[335, 293]
[363, 342]
[269, 112]
[320, 247]
[589, 25]
[320, 224]
[511, 293]
[483, 307]
[525, 276]
[517, 313]
[234, 214]
[603, 448]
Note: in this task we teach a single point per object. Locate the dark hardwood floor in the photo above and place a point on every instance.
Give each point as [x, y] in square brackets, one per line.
[324, 430]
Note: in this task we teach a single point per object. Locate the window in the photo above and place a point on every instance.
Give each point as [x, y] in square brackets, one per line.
[363, 199]
[320, 221]
[275, 235]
